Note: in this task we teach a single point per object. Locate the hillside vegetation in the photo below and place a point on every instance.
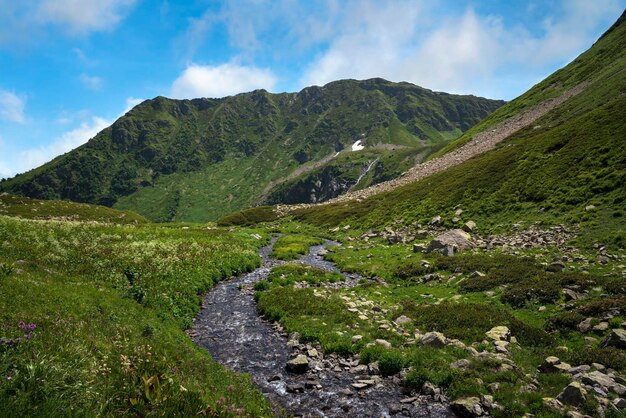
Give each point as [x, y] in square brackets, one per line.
[569, 166]
[92, 319]
[196, 160]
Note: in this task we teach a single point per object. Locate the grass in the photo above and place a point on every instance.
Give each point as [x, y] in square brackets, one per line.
[289, 274]
[26, 208]
[292, 246]
[110, 304]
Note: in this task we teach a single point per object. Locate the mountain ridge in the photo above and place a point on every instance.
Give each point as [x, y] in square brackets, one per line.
[202, 158]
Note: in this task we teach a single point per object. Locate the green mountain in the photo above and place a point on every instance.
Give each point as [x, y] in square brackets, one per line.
[568, 166]
[196, 160]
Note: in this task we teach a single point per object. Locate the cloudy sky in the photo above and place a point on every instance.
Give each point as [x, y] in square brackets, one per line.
[69, 68]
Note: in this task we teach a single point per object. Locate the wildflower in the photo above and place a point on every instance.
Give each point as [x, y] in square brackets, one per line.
[28, 336]
[21, 325]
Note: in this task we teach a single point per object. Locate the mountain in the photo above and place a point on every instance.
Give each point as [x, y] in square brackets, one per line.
[197, 160]
[566, 165]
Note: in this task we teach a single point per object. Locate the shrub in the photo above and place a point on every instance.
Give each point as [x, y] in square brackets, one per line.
[544, 291]
[609, 357]
[564, 322]
[6, 269]
[390, 362]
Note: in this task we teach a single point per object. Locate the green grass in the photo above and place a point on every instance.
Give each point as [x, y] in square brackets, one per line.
[110, 304]
[26, 208]
[288, 274]
[292, 246]
[249, 217]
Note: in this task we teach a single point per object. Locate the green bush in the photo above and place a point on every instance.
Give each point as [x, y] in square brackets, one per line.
[390, 362]
[609, 357]
[564, 322]
[6, 269]
[543, 291]
[249, 217]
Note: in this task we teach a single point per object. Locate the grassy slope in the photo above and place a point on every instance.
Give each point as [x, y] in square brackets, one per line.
[572, 157]
[26, 208]
[110, 304]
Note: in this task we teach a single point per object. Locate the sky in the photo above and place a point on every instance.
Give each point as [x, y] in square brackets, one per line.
[70, 68]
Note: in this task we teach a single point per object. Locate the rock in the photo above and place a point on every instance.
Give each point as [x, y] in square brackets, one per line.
[274, 378]
[585, 325]
[300, 364]
[619, 403]
[312, 352]
[374, 368]
[402, 320]
[449, 251]
[554, 365]
[429, 389]
[570, 294]
[499, 333]
[469, 226]
[462, 364]
[453, 238]
[436, 221]
[295, 388]
[383, 343]
[617, 338]
[590, 208]
[574, 394]
[458, 212]
[419, 248]
[476, 274]
[601, 327]
[553, 404]
[356, 338]
[597, 378]
[434, 339]
[467, 407]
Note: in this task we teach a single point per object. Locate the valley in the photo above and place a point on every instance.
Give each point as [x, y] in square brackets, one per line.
[362, 249]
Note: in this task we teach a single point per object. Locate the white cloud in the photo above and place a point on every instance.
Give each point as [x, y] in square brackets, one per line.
[91, 82]
[459, 54]
[12, 107]
[35, 157]
[81, 16]
[221, 80]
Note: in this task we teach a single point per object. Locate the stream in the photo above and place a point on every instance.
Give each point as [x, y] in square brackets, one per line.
[237, 337]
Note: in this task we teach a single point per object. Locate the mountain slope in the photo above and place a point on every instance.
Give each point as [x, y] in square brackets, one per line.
[200, 159]
[569, 165]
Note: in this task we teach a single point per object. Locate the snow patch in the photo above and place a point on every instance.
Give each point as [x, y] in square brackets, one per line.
[358, 146]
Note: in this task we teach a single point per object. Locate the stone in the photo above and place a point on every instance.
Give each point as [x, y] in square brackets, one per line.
[552, 364]
[434, 339]
[462, 364]
[585, 325]
[402, 320]
[383, 343]
[469, 226]
[300, 364]
[553, 404]
[570, 294]
[436, 221]
[476, 274]
[467, 407]
[619, 403]
[449, 251]
[374, 368]
[453, 238]
[573, 394]
[356, 338]
[295, 388]
[597, 378]
[499, 333]
[617, 338]
[312, 352]
[419, 248]
[601, 327]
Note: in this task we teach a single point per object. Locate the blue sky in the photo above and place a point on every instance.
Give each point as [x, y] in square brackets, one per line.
[69, 68]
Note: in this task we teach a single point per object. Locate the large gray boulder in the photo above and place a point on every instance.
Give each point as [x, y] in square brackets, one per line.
[453, 238]
[574, 394]
[617, 338]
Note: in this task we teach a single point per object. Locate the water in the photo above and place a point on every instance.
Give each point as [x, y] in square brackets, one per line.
[230, 328]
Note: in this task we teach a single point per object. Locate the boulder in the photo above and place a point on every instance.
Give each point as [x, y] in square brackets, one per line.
[617, 338]
[402, 320]
[574, 394]
[419, 248]
[452, 238]
[552, 364]
[499, 333]
[356, 338]
[436, 221]
[383, 343]
[585, 325]
[597, 378]
[467, 407]
[300, 364]
[469, 226]
[434, 339]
